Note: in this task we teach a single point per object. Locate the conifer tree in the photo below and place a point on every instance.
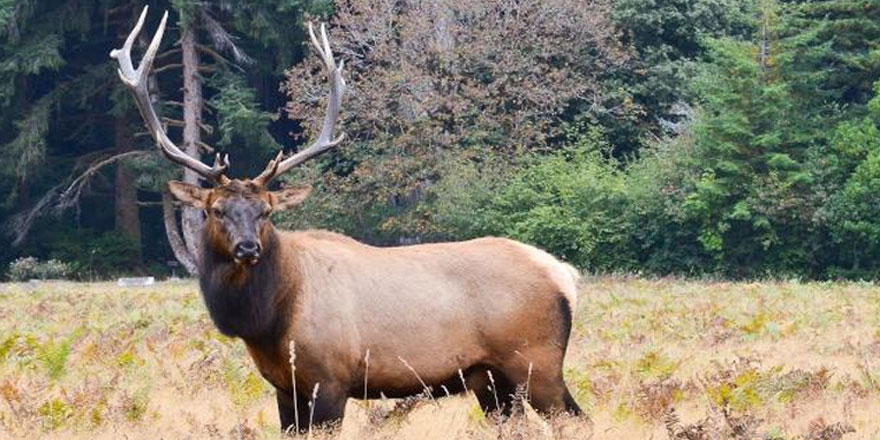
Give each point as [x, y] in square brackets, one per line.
[72, 135]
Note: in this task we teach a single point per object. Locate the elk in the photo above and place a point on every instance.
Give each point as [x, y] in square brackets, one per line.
[359, 321]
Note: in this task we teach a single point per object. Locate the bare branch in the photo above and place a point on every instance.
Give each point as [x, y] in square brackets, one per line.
[207, 149]
[19, 225]
[222, 39]
[60, 197]
[168, 67]
[71, 194]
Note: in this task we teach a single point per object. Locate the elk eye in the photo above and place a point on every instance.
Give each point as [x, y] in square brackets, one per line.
[217, 213]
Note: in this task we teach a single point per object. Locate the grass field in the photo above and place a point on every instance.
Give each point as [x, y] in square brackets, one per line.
[649, 359]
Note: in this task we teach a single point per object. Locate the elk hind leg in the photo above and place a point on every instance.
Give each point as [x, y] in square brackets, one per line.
[495, 394]
[546, 390]
[549, 395]
[540, 367]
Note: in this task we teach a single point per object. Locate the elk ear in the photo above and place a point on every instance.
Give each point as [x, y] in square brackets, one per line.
[289, 197]
[189, 195]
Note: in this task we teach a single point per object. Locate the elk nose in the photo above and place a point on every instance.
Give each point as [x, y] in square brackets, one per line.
[247, 250]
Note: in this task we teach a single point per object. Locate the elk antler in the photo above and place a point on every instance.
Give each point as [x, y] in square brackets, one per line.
[136, 80]
[325, 140]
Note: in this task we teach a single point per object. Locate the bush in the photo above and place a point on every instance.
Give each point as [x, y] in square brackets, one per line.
[571, 203]
[465, 192]
[665, 236]
[853, 209]
[28, 268]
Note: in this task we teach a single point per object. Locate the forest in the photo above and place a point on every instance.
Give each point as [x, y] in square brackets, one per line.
[705, 138]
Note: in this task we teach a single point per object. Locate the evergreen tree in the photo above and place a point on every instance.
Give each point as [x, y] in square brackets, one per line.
[832, 50]
[669, 38]
[752, 191]
[74, 140]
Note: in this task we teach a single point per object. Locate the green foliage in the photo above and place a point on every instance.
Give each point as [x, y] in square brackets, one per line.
[741, 392]
[750, 157]
[188, 9]
[28, 57]
[8, 345]
[7, 13]
[111, 253]
[468, 187]
[53, 354]
[238, 115]
[55, 413]
[568, 203]
[28, 149]
[658, 185]
[244, 386]
[655, 364]
[832, 45]
[676, 28]
[569, 207]
[853, 211]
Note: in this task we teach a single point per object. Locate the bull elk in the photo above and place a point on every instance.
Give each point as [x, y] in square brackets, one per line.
[436, 316]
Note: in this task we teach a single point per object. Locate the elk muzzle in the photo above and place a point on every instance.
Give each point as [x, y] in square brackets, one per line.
[248, 251]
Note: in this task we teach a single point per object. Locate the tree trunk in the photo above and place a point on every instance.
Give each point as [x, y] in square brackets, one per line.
[181, 253]
[191, 219]
[178, 246]
[127, 213]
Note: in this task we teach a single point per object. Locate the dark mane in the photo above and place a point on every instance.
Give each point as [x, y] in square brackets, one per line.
[244, 302]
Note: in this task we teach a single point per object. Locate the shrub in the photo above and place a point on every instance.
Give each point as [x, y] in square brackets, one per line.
[571, 204]
[27, 268]
[467, 188]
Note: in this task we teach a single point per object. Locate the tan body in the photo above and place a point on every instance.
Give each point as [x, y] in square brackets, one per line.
[436, 313]
[439, 307]
[448, 317]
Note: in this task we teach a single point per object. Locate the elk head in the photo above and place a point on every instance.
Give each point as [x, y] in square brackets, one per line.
[237, 209]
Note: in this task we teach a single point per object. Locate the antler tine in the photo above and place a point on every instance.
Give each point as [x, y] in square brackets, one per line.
[323, 46]
[126, 70]
[136, 81]
[325, 139]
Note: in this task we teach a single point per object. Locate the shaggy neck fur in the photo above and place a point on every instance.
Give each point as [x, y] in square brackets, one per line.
[241, 299]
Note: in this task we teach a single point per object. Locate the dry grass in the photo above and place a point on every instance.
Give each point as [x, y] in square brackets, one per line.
[648, 359]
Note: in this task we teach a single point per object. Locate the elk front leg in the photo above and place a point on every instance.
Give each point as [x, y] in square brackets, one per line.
[325, 408]
[287, 411]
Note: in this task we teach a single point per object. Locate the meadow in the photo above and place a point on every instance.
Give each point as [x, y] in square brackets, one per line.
[648, 359]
